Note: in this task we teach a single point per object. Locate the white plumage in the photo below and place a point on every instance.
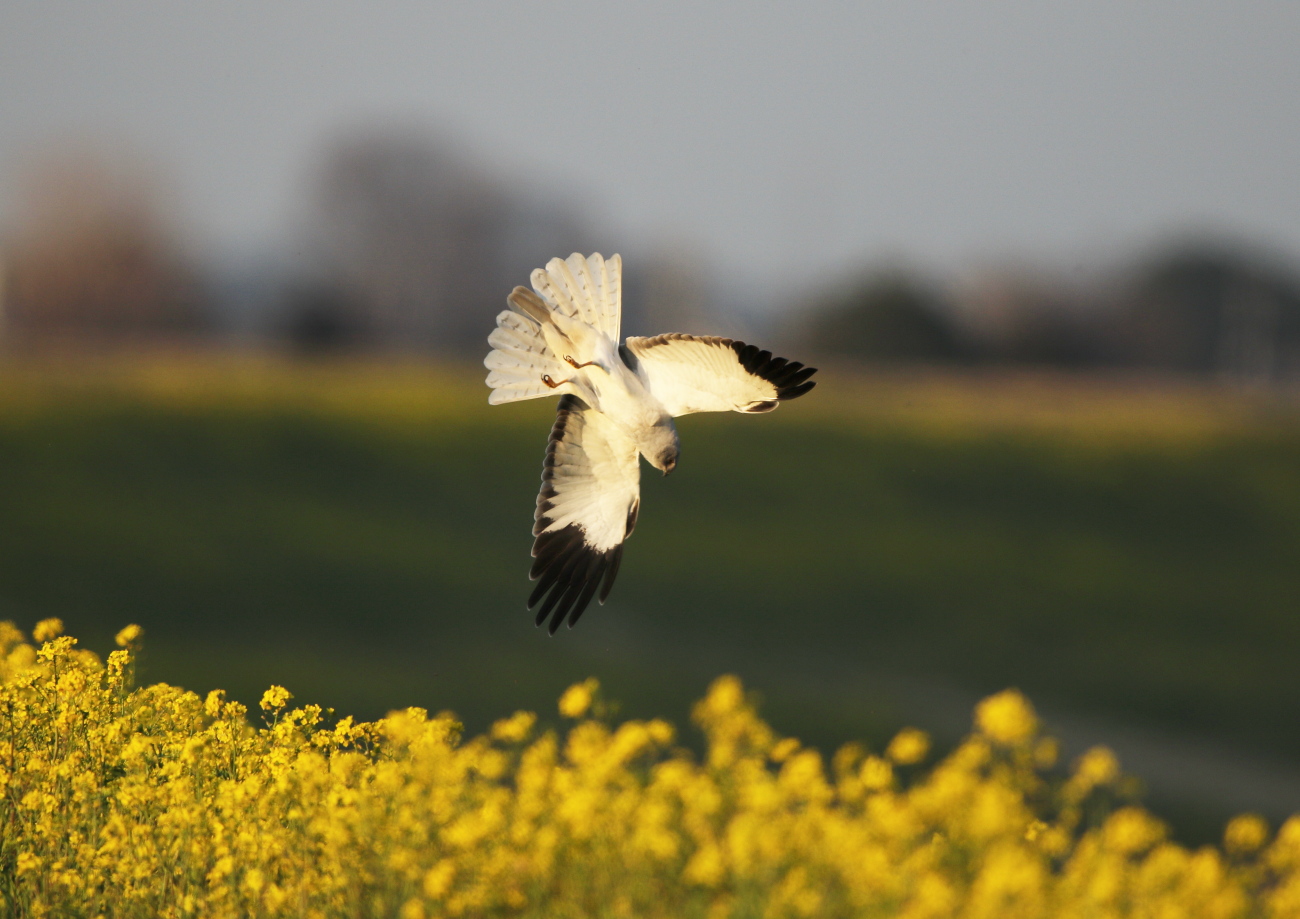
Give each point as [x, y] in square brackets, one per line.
[617, 404]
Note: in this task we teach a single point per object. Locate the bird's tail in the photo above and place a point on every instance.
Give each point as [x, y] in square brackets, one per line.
[520, 360]
[588, 290]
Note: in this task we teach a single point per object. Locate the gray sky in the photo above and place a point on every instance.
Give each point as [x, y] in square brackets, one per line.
[782, 140]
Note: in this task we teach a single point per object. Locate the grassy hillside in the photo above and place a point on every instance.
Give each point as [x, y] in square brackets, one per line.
[1129, 551]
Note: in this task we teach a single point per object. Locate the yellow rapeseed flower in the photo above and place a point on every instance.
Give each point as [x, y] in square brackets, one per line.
[128, 636]
[48, 629]
[275, 698]
[577, 699]
[661, 732]
[705, 867]
[876, 773]
[724, 696]
[1131, 830]
[784, 749]
[1245, 834]
[908, 747]
[151, 801]
[1006, 718]
[514, 729]
[213, 703]
[1097, 766]
[1284, 853]
[437, 880]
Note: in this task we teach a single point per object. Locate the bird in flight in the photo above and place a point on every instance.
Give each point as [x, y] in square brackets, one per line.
[617, 403]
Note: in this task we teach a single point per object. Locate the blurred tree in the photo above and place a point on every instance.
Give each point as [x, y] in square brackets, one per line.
[406, 228]
[888, 316]
[1212, 308]
[320, 318]
[91, 257]
[420, 244]
[1010, 316]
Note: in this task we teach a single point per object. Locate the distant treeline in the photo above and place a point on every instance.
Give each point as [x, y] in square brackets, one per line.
[1198, 308]
[405, 243]
[408, 245]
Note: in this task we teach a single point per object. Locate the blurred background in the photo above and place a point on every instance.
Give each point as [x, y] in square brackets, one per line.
[1048, 258]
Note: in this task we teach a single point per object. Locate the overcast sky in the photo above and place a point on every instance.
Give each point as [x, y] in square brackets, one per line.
[785, 141]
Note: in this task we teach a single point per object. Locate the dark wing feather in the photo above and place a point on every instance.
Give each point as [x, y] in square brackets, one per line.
[688, 373]
[585, 510]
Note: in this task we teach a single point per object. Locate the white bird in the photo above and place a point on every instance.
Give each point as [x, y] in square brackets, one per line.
[617, 403]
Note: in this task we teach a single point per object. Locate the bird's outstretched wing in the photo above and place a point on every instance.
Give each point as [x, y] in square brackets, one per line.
[591, 491]
[692, 374]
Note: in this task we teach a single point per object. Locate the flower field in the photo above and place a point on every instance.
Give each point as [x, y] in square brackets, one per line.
[118, 800]
[1123, 552]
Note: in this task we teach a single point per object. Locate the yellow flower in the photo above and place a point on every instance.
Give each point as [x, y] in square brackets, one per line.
[1245, 834]
[48, 629]
[784, 749]
[705, 867]
[1097, 766]
[437, 880]
[909, 746]
[1284, 854]
[661, 732]
[577, 698]
[1006, 718]
[1131, 830]
[212, 704]
[725, 696]
[154, 801]
[1011, 882]
[876, 774]
[275, 698]
[514, 729]
[128, 636]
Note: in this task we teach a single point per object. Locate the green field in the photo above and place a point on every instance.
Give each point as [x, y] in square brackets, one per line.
[360, 533]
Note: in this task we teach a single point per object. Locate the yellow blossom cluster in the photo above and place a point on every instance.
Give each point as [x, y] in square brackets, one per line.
[118, 801]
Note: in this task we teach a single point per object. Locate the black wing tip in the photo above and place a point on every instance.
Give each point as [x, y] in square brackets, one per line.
[569, 572]
[789, 377]
[796, 391]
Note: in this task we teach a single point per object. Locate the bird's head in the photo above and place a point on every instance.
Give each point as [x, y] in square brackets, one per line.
[661, 447]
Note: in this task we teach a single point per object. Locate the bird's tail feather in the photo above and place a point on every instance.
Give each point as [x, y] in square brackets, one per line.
[586, 289]
[589, 289]
[531, 305]
[518, 360]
